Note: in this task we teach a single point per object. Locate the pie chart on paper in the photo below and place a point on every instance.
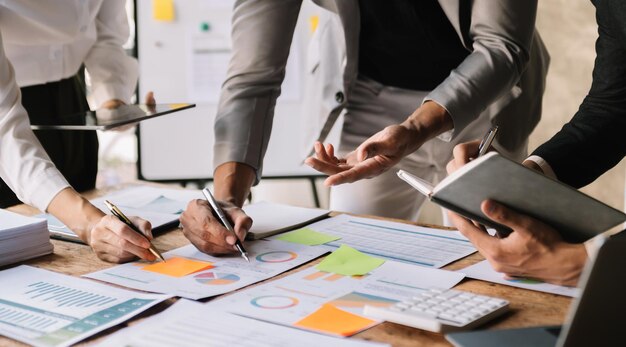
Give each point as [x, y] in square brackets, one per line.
[215, 278]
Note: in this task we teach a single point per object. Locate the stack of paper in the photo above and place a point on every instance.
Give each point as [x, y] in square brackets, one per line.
[22, 238]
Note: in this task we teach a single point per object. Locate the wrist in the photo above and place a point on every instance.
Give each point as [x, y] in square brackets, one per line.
[574, 257]
[76, 212]
[232, 182]
[428, 121]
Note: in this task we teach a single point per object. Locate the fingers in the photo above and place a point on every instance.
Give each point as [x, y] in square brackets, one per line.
[366, 150]
[366, 169]
[207, 233]
[242, 223]
[114, 241]
[325, 167]
[150, 99]
[504, 215]
[485, 243]
[462, 154]
[143, 225]
[331, 151]
[320, 152]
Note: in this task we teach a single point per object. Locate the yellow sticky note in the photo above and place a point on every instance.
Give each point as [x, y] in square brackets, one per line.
[348, 261]
[178, 267]
[329, 319]
[309, 237]
[314, 21]
[163, 10]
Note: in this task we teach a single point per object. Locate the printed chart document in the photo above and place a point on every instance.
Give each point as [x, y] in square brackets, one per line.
[192, 274]
[44, 308]
[484, 272]
[396, 241]
[189, 323]
[331, 303]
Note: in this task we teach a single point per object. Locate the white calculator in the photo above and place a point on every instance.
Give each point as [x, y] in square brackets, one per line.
[441, 310]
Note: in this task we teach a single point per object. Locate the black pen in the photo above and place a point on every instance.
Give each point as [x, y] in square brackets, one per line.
[222, 217]
[122, 217]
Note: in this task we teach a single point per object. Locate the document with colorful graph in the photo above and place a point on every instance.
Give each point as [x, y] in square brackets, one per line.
[188, 323]
[331, 303]
[396, 241]
[484, 272]
[192, 274]
[44, 308]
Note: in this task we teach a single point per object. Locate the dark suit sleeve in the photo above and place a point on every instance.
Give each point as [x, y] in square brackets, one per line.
[594, 140]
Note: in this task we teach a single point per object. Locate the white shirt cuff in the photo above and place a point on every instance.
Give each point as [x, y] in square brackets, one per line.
[543, 165]
[51, 182]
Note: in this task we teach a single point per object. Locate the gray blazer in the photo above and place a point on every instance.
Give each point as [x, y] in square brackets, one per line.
[504, 74]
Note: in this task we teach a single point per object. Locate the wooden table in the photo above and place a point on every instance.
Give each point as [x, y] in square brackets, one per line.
[528, 308]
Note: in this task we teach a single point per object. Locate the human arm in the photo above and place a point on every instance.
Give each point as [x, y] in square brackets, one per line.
[501, 33]
[113, 73]
[592, 142]
[384, 149]
[29, 172]
[110, 239]
[262, 29]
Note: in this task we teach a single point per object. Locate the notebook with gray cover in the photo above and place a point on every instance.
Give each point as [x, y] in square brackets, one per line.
[577, 216]
[596, 318]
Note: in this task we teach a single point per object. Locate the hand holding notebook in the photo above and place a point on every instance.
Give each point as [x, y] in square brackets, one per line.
[578, 217]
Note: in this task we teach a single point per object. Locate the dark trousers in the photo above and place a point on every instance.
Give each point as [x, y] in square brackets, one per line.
[74, 152]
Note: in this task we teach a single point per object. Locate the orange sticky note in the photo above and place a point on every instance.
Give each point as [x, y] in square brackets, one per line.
[163, 10]
[178, 267]
[329, 319]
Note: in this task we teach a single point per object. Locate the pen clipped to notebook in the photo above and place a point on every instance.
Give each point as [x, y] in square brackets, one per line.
[122, 217]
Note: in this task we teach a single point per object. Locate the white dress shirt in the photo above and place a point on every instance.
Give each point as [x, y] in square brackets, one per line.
[46, 41]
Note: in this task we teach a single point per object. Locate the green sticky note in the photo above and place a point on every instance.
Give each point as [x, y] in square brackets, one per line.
[309, 237]
[348, 261]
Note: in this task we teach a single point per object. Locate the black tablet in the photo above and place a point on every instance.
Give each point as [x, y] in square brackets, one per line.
[107, 119]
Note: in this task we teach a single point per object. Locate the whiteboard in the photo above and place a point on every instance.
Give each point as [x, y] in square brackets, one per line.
[181, 61]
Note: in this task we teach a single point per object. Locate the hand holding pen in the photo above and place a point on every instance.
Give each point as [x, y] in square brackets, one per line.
[122, 217]
[221, 216]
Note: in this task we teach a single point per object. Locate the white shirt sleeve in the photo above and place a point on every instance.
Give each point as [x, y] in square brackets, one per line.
[543, 165]
[113, 73]
[24, 164]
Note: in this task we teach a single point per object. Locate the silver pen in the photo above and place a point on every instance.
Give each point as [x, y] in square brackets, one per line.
[485, 143]
[222, 217]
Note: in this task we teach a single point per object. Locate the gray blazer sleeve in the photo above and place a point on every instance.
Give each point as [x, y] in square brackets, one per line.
[501, 32]
[262, 31]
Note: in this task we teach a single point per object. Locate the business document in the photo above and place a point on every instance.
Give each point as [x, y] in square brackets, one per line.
[44, 308]
[189, 323]
[396, 241]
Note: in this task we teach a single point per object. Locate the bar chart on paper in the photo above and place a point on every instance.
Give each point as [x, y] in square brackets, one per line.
[48, 309]
[396, 241]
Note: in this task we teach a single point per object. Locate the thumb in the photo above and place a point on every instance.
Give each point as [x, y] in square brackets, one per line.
[368, 149]
[506, 216]
[150, 98]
